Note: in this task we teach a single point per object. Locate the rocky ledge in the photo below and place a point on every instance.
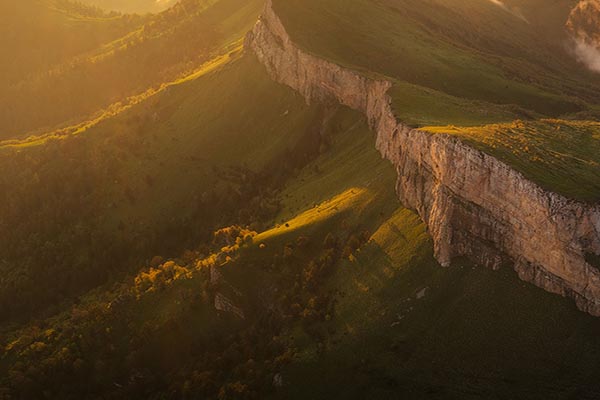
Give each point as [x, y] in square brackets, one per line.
[473, 204]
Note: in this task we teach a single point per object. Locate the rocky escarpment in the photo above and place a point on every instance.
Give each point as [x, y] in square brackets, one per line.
[473, 204]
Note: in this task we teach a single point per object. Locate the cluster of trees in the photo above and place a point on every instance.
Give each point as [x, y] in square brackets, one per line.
[225, 246]
[105, 346]
[308, 301]
[118, 344]
[76, 7]
[157, 278]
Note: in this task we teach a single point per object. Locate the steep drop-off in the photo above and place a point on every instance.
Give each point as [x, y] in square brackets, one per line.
[473, 204]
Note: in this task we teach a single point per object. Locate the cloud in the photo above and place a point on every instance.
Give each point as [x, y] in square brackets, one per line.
[587, 54]
[583, 27]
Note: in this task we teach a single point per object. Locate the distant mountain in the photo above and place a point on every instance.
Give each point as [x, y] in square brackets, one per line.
[35, 35]
[89, 61]
[132, 6]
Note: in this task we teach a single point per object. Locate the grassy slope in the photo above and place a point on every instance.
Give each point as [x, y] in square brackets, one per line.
[422, 43]
[476, 333]
[149, 169]
[234, 116]
[169, 355]
[445, 76]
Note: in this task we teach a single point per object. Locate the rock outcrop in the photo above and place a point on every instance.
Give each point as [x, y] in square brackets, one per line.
[473, 204]
[583, 26]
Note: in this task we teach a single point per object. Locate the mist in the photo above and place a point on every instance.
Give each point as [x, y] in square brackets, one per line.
[587, 54]
[582, 26]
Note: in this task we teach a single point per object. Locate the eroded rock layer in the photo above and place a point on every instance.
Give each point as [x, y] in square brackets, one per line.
[474, 205]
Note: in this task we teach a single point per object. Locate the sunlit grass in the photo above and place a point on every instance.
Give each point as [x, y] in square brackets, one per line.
[352, 198]
[400, 236]
[420, 106]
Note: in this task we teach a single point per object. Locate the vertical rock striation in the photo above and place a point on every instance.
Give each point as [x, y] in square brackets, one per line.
[474, 205]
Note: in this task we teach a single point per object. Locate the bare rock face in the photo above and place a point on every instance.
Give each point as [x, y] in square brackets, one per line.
[584, 21]
[473, 204]
[224, 304]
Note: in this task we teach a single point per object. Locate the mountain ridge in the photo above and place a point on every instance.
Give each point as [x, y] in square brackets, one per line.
[465, 207]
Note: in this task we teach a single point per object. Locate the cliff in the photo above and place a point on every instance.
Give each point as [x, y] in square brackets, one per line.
[474, 205]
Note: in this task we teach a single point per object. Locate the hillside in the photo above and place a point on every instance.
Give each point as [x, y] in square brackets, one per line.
[316, 199]
[212, 173]
[475, 204]
[476, 51]
[160, 150]
[337, 294]
[37, 35]
[165, 47]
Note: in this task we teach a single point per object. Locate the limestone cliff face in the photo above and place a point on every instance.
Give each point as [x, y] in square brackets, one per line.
[473, 204]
